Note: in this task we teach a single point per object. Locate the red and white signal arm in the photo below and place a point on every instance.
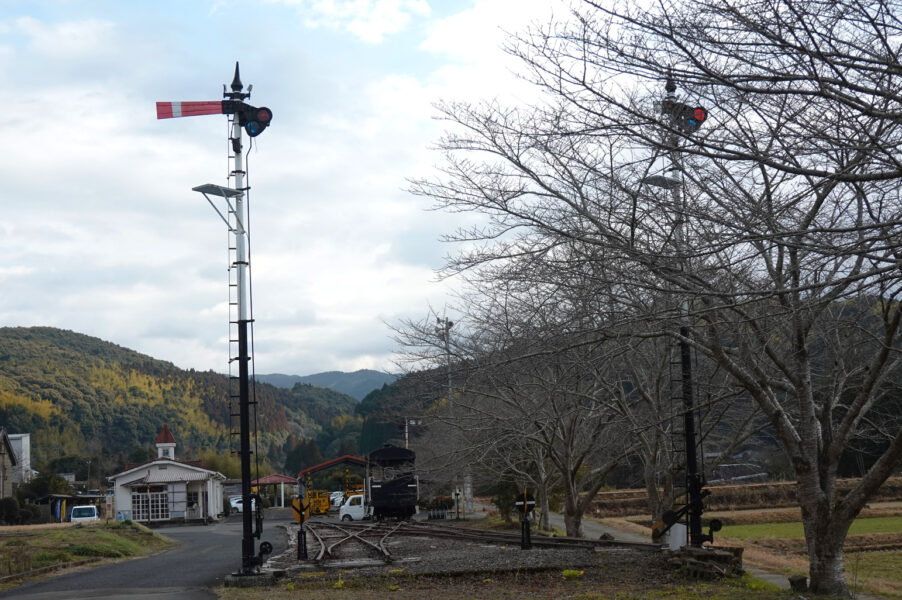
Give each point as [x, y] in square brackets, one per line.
[254, 119]
[171, 110]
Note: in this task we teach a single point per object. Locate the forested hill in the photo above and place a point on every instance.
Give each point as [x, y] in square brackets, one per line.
[81, 396]
[357, 384]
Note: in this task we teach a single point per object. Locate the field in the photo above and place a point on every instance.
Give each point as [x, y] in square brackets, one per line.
[773, 539]
[26, 550]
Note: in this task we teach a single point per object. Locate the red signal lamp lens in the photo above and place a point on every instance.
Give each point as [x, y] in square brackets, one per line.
[700, 114]
[264, 116]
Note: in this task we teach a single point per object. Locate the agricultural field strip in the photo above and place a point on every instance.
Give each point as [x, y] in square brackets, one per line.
[793, 529]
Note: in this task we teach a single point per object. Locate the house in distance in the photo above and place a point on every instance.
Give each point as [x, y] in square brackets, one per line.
[166, 489]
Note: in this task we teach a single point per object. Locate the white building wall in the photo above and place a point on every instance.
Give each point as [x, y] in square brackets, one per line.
[122, 494]
[21, 444]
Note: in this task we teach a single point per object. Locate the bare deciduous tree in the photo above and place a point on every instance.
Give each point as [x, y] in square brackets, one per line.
[789, 269]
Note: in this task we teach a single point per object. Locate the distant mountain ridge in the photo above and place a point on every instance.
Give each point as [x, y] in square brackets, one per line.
[79, 395]
[357, 384]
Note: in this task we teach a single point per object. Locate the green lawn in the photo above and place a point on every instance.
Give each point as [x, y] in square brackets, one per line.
[794, 529]
[877, 572]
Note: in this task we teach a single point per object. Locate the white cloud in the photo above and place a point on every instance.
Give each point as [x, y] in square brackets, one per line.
[70, 40]
[368, 20]
[473, 40]
[104, 235]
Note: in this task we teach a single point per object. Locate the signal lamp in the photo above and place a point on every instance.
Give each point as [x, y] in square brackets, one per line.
[688, 118]
[256, 120]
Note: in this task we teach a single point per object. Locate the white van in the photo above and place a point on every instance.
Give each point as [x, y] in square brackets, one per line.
[84, 514]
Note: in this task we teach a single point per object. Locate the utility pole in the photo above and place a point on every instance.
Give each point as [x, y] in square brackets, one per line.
[444, 333]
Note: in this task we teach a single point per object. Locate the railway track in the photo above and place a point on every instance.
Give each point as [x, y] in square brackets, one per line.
[435, 530]
[373, 537]
[330, 536]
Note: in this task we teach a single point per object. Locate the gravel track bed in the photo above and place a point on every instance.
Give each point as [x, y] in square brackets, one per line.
[418, 555]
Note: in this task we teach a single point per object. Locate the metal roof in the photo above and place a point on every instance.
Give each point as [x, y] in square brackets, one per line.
[156, 476]
[347, 458]
[273, 479]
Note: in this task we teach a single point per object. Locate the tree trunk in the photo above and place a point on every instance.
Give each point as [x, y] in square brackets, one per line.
[827, 571]
[573, 523]
[544, 509]
[825, 532]
[573, 516]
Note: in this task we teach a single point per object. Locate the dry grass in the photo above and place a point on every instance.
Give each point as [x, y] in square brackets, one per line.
[874, 572]
[36, 547]
[592, 584]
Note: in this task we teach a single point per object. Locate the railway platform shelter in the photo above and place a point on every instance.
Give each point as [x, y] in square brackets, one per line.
[276, 481]
[347, 459]
[305, 475]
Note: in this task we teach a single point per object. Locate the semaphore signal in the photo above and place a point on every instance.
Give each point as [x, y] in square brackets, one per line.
[252, 120]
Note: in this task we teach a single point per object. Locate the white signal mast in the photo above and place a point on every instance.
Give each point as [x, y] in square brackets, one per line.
[253, 120]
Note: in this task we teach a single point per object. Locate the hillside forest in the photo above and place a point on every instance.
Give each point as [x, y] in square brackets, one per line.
[92, 406]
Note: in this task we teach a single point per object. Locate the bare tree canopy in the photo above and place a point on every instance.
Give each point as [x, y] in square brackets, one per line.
[790, 266]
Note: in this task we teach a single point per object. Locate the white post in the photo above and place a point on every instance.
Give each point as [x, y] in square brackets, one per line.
[240, 230]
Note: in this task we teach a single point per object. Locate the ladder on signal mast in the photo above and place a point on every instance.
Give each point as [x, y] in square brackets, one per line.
[237, 223]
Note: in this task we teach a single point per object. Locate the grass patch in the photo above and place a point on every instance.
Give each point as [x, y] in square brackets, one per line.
[794, 529]
[877, 572]
[26, 550]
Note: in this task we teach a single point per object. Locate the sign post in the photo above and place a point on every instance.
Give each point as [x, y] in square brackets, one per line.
[297, 511]
[525, 504]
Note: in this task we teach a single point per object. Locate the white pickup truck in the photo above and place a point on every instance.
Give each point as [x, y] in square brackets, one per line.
[354, 509]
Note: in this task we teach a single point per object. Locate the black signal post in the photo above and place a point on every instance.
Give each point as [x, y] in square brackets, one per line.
[689, 119]
[684, 119]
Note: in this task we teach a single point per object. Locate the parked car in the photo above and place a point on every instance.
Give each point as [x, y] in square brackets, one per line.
[84, 514]
[237, 503]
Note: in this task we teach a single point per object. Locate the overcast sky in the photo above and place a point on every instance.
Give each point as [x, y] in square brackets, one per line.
[102, 233]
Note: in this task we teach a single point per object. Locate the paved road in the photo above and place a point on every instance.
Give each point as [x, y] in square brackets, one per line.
[204, 557]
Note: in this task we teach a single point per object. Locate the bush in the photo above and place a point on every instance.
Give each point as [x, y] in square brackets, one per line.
[504, 497]
[9, 511]
[44, 558]
[96, 550]
[29, 513]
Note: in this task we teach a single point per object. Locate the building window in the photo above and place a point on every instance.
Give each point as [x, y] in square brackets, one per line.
[140, 507]
[150, 506]
[193, 497]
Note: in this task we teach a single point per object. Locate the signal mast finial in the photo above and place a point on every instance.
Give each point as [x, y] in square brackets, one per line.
[237, 86]
[236, 82]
